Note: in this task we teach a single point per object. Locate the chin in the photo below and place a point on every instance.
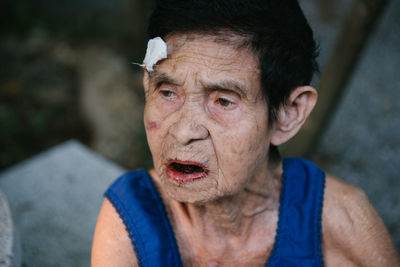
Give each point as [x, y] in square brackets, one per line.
[197, 191]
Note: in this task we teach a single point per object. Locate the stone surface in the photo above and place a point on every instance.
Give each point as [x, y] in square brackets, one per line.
[9, 252]
[55, 198]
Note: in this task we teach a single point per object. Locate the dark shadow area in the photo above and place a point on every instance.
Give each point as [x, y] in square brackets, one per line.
[49, 52]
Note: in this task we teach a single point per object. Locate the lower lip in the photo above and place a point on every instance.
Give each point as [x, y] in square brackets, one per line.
[182, 178]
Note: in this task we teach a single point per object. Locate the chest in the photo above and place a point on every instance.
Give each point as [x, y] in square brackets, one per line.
[298, 239]
[215, 250]
[208, 258]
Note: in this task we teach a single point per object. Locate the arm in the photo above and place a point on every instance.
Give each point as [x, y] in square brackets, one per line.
[353, 232]
[111, 244]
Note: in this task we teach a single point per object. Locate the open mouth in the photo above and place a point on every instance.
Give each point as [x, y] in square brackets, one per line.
[185, 171]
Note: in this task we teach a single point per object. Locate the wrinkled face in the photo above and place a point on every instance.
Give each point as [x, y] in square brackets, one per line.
[206, 120]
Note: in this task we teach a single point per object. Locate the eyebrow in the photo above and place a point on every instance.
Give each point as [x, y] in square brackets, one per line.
[227, 85]
[158, 78]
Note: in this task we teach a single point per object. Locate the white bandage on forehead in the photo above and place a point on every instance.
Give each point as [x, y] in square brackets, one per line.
[156, 51]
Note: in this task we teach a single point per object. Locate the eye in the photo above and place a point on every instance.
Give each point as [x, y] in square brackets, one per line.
[225, 103]
[167, 93]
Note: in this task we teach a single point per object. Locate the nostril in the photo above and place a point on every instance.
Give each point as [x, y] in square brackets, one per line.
[186, 131]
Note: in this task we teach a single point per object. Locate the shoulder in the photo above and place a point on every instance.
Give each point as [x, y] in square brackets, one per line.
[353, 232]
[111, 244]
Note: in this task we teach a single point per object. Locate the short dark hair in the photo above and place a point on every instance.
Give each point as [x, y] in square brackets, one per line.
[275, 30]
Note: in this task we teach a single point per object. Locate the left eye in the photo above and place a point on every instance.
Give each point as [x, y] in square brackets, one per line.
[167, 93]
[224, 102]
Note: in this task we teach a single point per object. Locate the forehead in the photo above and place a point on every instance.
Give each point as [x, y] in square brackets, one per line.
[209, 59]
[212, 51]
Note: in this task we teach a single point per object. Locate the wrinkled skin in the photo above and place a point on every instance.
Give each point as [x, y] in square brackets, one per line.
[203, 104]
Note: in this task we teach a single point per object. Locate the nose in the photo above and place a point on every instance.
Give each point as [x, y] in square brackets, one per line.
[188, 127]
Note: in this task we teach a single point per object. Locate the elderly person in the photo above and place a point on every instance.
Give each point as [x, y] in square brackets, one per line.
[230, 84]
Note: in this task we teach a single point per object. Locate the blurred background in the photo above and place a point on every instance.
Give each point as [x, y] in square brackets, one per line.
[66, 73]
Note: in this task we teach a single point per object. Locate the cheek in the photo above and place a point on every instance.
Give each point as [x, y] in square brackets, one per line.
[152, 125]
[235, 151]
[223, 116]
[153, 117]
[240, 151]
[157, 110]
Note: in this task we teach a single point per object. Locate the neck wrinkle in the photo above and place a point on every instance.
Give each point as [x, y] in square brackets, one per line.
[234, 215]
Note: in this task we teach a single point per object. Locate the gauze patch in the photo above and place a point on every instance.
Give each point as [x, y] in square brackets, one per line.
[156, 51]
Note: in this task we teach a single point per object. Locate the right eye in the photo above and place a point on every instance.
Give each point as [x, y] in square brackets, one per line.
[167, 93]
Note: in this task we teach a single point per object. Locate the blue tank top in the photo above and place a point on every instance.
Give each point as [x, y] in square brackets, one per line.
[298, 237]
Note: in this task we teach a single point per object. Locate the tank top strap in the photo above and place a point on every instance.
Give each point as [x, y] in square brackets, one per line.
[298, 240]
[139, 205]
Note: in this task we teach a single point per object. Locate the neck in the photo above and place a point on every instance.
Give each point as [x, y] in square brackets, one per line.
[235, 214]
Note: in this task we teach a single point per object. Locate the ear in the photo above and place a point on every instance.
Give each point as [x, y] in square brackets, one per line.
[293, 113]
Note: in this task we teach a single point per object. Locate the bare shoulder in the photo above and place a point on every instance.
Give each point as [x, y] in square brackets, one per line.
[353, 232]
[111, 244]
